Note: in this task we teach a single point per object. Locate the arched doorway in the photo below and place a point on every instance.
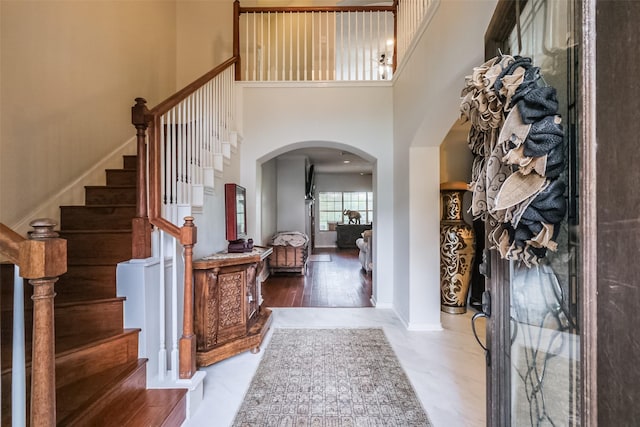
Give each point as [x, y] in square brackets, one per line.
[307, 188]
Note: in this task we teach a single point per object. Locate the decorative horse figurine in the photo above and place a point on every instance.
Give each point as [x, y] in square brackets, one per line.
[354, 216]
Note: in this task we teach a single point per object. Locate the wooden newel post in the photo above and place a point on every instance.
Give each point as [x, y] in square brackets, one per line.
[141, 241]
[43, 258]
[188, 238]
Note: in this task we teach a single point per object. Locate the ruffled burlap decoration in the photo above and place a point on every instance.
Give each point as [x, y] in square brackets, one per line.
[517, 140]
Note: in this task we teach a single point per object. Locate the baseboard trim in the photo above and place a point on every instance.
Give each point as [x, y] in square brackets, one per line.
[419, 327]
[381, 305]
[425, 327]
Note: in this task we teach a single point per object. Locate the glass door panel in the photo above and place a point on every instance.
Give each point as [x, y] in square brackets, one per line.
[544, 351]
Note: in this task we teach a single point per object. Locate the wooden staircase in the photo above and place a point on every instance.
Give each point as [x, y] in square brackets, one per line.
[99, 379]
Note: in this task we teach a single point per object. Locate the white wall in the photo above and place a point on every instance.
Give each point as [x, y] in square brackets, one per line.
[426, 101]
[456, 161]
[204, 37]
[456, 158]
[336, 182]
[70, 71]
[424, 256]
[210, 219]
[268, 197]
[427, 87]
[291, 175]
[356, 118]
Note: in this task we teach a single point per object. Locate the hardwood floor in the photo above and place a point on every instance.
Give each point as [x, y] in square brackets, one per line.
[340, 282]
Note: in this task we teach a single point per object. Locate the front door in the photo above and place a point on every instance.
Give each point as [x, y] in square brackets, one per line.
[532, 301]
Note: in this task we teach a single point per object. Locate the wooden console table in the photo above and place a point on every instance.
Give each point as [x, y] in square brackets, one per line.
[228, 316]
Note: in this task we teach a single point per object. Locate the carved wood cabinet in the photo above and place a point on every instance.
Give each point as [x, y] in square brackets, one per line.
[228, 316]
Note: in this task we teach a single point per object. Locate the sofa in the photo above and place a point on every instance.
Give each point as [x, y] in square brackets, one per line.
[365, 255]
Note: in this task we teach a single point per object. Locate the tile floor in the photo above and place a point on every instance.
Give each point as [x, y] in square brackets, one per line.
[446, 367]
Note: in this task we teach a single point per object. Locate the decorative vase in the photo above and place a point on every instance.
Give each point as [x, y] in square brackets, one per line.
[456, 250]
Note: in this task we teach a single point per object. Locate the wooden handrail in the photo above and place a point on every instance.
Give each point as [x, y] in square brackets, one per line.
[10, 244]
[148, 121]
[41, 259]
[182, 94]
[318, 9]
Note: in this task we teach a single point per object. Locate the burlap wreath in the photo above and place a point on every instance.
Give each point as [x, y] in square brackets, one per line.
[517, 139]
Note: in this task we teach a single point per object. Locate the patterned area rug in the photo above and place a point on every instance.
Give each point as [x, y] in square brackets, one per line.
[320, 258]
[330, 377]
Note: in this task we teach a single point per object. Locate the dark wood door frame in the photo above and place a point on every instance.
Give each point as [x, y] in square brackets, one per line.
[588, 216]
[498, 386]
[498, 327]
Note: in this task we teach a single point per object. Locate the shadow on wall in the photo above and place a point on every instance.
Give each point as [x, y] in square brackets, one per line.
[456, 160]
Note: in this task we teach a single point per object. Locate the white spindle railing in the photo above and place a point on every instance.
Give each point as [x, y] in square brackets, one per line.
[193, 134]
[18, 365]
[411, 15]
[169, 253]
[316, 45]
[190, 134]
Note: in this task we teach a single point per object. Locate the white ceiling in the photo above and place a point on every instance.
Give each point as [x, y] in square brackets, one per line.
[331, 160]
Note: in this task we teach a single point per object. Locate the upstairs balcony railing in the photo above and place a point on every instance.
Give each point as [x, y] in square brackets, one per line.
[341, 43]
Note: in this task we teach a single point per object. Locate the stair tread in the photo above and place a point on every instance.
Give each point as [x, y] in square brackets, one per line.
[111, 186]
[73, 303]
[149, 408]
[158, 405]
[108, 205]
[69, 345]
[70, 263]
[90, 302]
[66, 347]
[79, 396]
[89, 231]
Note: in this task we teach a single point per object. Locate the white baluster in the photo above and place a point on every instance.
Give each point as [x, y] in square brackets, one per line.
[313, 46]
[162, 352]
[175, 361]
[18, 370]
[297, 46]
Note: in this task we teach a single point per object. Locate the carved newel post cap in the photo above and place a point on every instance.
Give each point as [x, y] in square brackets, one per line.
[188, 232]
[454, 185]
[43, 229]
[140, 101]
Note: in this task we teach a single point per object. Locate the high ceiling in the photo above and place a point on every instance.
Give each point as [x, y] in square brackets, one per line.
[331, 160]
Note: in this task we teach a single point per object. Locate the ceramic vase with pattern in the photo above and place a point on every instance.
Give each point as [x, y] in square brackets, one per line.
[456, 250]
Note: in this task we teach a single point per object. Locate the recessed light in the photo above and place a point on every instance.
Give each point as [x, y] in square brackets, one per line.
[346, 161]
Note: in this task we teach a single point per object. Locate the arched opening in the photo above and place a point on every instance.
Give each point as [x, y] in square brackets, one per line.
[325, 191]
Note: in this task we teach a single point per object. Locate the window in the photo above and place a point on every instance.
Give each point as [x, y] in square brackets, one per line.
[331, 204]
